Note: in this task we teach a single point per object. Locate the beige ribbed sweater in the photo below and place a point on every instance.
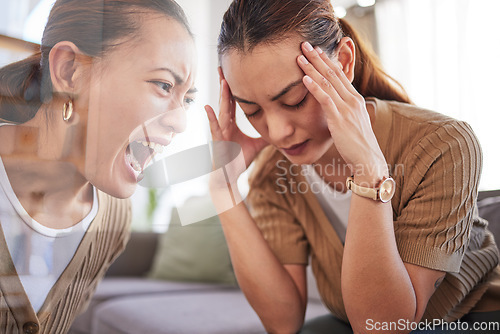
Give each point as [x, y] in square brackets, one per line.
[436, 162]
[104, 241]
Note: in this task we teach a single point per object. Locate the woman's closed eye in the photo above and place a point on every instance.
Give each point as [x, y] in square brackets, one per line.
[294, 107]
[254, 114]
[298, 105]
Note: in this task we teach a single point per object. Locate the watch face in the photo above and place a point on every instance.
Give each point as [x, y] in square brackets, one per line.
[387, 189]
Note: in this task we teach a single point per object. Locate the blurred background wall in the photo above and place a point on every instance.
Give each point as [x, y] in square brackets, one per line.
[444, 52]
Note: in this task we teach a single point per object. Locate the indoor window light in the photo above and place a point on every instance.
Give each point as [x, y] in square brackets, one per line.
[366, 3]
[340, 11]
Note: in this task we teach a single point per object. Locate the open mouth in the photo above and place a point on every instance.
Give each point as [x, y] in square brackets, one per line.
[139, 154]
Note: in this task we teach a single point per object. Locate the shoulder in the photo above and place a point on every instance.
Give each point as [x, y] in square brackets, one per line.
[436, 136]
[433, 157]
[414, 113]
[419, 123]
[421, 137]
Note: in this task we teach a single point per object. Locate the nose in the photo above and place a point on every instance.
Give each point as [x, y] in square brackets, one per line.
[279, 126]
[175, 118]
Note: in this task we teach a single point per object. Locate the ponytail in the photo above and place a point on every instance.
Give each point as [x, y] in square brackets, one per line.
[20, 84]
[94, 26]
[248, 23]
[370, 80]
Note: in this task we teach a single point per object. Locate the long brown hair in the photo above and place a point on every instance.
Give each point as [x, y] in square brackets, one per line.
[94, 26]
[248, 23]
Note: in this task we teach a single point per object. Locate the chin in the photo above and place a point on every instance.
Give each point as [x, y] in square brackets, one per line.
[313, 155]
[120, 189]
[123, 191]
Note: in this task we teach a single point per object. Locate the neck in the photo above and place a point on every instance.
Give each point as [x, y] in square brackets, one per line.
[52, 192]
[47, 182]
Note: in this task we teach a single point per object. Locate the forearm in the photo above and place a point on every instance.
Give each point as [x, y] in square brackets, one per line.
[375, 282]
[268, 286]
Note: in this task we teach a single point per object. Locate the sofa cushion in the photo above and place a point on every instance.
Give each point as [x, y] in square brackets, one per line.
[197, 252]
[208, 312]
[113, 287]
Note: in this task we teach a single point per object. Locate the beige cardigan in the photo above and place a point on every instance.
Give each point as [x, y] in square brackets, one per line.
[436, 162]
[103, 242]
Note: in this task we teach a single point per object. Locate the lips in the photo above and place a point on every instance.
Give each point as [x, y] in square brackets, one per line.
[293, 147]
[296, 149]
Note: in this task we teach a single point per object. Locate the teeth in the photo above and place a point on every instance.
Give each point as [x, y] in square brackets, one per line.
[134, 163]
[157, 148]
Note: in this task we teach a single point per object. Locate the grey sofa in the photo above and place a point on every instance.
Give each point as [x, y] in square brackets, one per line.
[127, 302]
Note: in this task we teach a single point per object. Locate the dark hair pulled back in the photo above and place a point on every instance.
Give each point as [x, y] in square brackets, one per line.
[248, 23]
[94, 26]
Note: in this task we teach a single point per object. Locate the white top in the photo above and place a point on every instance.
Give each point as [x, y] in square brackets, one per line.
[40, 254]
[334, 203]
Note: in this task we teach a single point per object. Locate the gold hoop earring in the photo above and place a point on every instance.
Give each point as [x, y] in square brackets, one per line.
[67, 110]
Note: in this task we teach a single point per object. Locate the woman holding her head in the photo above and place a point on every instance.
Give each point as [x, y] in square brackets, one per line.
[379, 194]
[79, 122]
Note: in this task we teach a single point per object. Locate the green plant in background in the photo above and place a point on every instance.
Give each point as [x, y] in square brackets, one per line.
[152, 203]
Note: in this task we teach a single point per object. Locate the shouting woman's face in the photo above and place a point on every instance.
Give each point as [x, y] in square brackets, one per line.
[137, 99]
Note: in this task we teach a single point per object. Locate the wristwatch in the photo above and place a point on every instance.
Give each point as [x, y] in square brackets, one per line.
[382, 193]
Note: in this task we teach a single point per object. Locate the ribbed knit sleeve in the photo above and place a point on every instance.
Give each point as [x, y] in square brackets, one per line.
[437, 162]
[441, 174]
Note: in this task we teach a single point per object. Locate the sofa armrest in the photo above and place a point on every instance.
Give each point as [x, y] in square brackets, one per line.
[137, 258]
[489, 209]
[487, 193]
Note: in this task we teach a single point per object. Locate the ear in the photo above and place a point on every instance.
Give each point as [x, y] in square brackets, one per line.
[66, 67]
[346, 55]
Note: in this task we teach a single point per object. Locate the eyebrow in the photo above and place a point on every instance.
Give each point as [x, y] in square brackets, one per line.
[287, 89]
[280, 94]
[178, 79]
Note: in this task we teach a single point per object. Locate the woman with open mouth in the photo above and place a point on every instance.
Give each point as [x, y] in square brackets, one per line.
[79, 123]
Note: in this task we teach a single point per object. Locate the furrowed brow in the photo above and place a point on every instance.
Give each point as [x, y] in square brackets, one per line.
[274, 98]
[287, 89]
